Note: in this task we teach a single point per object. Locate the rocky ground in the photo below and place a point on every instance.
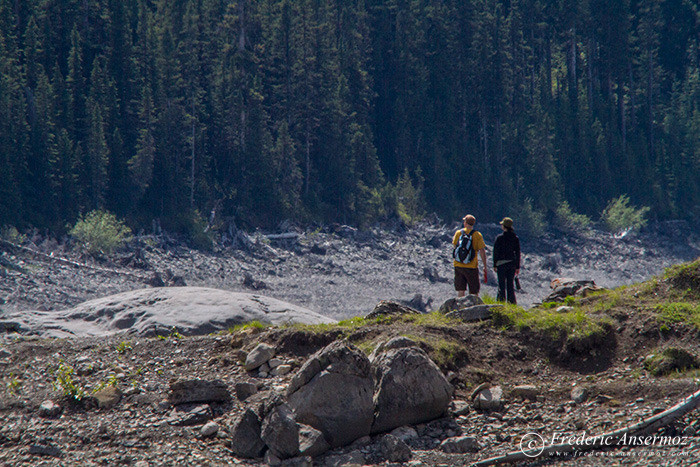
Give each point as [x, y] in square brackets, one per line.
[341, 273]
[337, 271]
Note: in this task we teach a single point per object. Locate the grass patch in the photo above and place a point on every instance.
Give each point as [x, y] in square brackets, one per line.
[250, 325]
[671, 360]
[685, 278]
[446, 353]
[576, 328]
[678, 312]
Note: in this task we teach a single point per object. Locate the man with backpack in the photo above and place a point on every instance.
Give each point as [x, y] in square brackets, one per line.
[467, 243]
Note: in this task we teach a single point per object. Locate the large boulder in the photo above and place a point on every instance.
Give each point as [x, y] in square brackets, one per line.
[332, 392]
[409, 388]
[281, 433]
[246, 438]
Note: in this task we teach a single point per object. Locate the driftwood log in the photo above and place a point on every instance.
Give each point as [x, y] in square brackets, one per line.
[607, 440]
[67, 262]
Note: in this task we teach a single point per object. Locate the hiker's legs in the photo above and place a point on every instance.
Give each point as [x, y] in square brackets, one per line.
[510, 284]
[473, 280]
[460, 282]
[500, 272]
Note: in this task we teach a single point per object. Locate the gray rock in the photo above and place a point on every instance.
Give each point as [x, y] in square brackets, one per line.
[394, 449]
[4, 353]
[459, 303]
[405, 433]
[352, 458]
[275, 362]
[579, 394]
[315, 396]
[245, 390]
[395, 343]
[461, 408]
[409, 389]
[108, 397]
[45, 450]
[490, 399]
[526, 391]
[260, 355]
[281, 433]
[185, 391]
[311, 442]
[473, 313]
[271, 460]
[190, 414]
[191, 310]
[281, 370]
[245, 435]
[460, 445]
[390, 308]
[50, 409]
[209, 429]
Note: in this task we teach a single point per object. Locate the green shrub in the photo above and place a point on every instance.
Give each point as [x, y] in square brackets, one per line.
[569, 220]
[100, 231]
[12, 235]
[530, 220]
[409, 197]
[64, 382]
[618, 215]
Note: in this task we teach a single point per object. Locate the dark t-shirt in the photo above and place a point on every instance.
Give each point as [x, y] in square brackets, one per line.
[506, 250]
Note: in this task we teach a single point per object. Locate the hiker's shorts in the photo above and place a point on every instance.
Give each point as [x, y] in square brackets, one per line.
[467, 277]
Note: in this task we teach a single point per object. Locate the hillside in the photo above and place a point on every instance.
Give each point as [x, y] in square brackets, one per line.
[609, 351]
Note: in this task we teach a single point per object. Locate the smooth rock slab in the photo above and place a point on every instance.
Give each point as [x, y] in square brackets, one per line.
[147, 312]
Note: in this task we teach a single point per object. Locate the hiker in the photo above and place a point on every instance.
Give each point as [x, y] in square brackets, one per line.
[469, 242]
[506, 261]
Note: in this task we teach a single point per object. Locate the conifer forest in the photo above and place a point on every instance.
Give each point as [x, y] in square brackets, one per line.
[349, 111]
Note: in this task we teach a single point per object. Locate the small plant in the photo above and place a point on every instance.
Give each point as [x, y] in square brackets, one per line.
[111, 381]
[123, 347]
[618, 215]
[14, 384]
[174, 334]
[100, 231]
[569, 220]
[65, 383]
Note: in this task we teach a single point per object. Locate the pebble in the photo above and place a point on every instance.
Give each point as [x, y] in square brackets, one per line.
[49, 409]
[209, 429]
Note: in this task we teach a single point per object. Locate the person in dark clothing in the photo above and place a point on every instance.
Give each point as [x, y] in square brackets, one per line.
[506, 261]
